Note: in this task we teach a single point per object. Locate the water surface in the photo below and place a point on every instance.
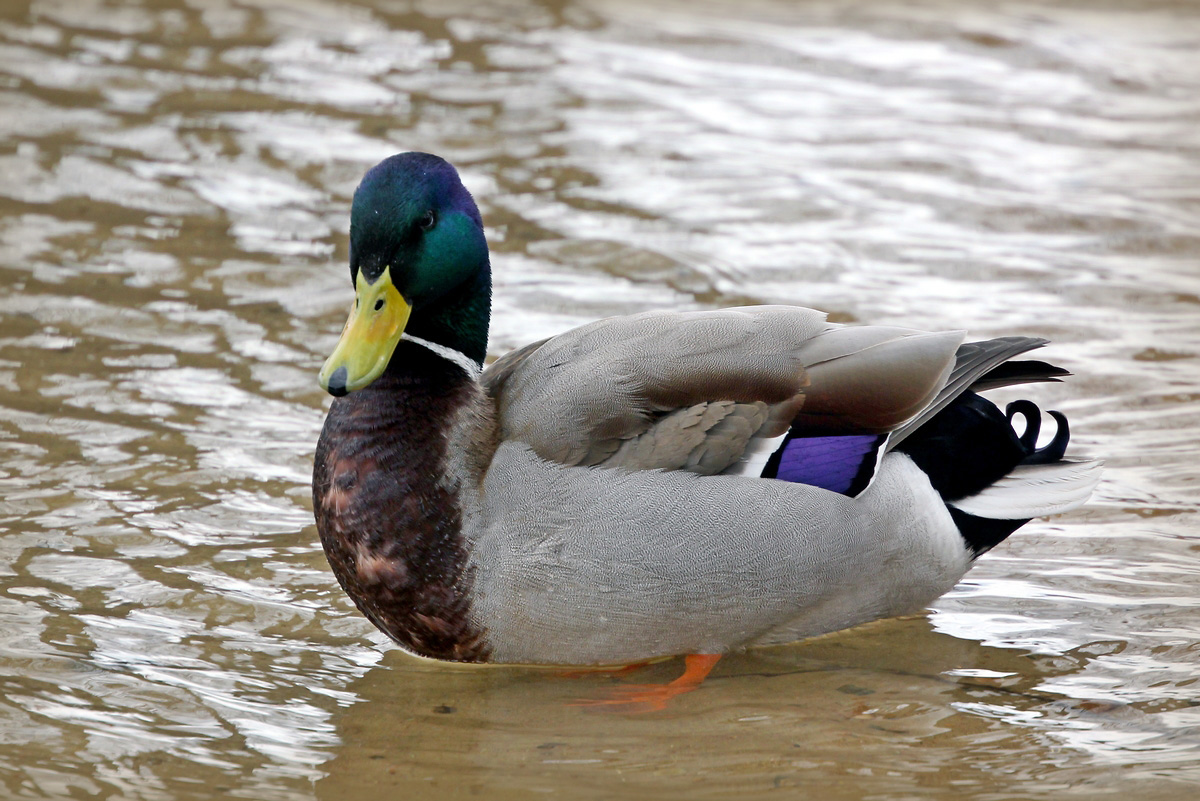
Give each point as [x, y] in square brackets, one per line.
[174, 187]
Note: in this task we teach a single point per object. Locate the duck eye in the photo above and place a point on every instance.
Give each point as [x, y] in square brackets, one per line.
[379, 304]
[428, 221]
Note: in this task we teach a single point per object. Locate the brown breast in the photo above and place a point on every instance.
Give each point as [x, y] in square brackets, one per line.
[392, 531]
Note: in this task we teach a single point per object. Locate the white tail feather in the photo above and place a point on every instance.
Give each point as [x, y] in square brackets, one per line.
[1035, 490]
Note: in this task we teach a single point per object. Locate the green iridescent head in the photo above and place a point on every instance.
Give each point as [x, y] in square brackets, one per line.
[418, 262]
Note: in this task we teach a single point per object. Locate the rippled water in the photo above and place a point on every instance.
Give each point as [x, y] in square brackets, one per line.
[174, 188]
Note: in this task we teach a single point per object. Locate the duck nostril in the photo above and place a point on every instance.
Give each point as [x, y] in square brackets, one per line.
[379, 304]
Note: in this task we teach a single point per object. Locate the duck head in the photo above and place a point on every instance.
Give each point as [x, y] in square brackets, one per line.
[418, 262]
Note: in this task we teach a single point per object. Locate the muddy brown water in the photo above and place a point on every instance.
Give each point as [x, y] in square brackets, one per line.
[174, 188]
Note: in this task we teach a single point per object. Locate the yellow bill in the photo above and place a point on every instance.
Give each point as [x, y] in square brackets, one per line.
[371, 334]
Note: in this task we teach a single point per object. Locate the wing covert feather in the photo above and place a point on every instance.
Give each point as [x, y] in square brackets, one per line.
[578, 396]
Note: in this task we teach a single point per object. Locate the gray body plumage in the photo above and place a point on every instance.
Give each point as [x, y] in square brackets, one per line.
[577, 565]
[595, 498]
[597, 533]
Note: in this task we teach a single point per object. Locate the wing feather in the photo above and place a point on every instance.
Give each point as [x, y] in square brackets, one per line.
[695, 390]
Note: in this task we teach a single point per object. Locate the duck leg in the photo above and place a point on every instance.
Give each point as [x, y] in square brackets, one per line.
[654, 697]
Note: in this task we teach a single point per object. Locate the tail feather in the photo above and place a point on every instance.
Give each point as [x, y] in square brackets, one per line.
[1026, 371]
[1034, 490]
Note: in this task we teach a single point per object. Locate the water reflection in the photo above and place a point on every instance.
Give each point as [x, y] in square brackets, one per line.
[174, 181]
[893, 695]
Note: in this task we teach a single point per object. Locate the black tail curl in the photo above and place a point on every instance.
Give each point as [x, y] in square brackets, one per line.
[1055, 449]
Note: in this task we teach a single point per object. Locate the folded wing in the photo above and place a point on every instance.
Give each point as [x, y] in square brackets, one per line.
[696, 390]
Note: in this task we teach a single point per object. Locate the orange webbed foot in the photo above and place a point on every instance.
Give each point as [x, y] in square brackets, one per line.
[654, 697]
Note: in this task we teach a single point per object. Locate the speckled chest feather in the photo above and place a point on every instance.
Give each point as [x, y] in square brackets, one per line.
[390, 524]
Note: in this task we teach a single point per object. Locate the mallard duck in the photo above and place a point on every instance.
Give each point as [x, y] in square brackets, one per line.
[658, 484]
